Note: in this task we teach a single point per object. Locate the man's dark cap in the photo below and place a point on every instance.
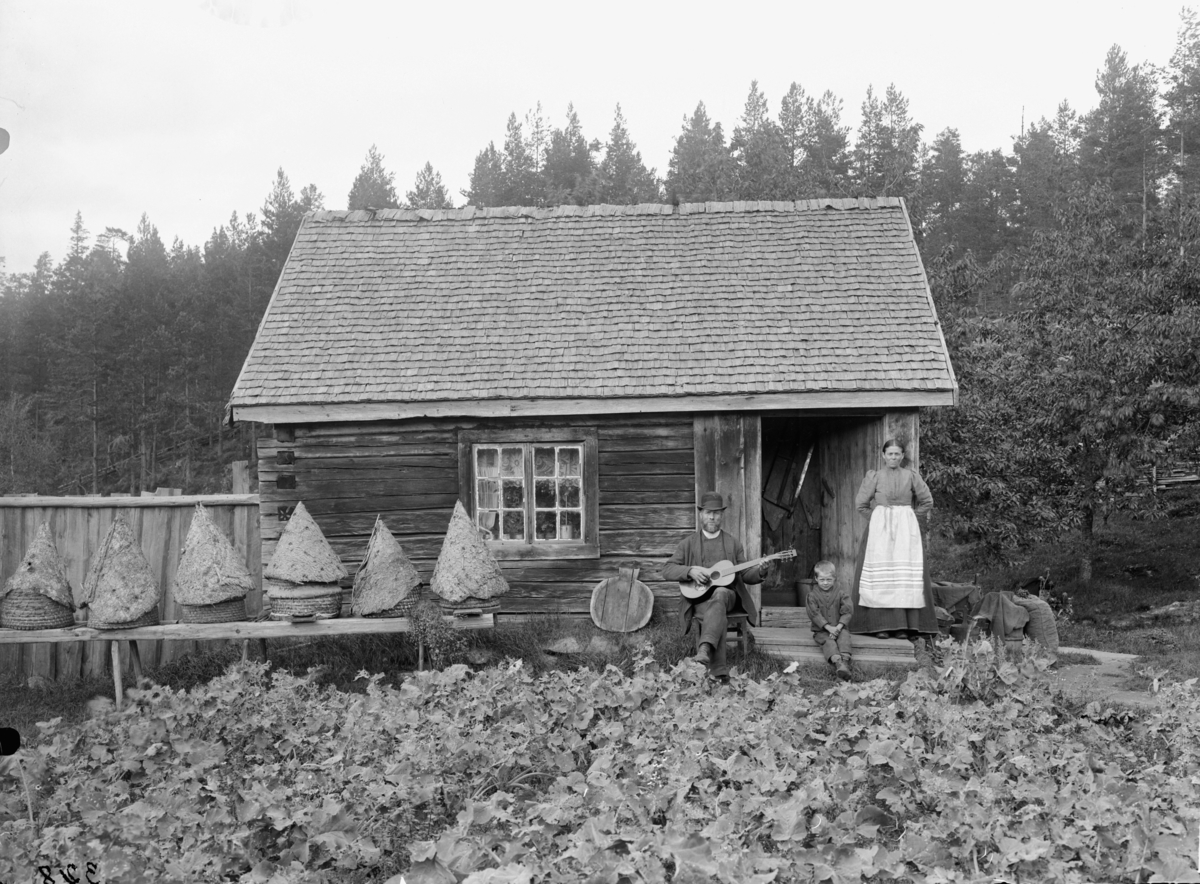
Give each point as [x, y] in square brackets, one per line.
[711, 501]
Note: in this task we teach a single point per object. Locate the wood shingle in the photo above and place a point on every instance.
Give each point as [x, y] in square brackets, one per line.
[598, 302]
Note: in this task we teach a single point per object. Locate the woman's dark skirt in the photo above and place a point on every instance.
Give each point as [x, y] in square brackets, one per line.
[907, 623]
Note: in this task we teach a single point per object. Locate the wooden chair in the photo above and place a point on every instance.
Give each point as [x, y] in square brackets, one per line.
[737, 634]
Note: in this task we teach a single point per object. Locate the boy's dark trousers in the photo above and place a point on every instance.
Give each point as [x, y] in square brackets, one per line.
[831, 647]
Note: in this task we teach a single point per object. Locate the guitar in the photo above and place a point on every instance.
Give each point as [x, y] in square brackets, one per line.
[722, 574]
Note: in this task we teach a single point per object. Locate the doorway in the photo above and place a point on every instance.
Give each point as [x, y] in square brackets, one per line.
[792, 500]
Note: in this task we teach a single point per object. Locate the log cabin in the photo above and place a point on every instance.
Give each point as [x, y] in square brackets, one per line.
[578, 376]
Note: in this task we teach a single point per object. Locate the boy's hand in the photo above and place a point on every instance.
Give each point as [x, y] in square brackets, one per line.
[832, 630]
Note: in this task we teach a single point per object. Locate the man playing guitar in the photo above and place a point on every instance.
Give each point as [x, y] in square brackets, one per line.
[691, 560]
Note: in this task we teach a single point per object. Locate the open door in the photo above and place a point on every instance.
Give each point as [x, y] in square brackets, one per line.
[728, 459]
[791, 504]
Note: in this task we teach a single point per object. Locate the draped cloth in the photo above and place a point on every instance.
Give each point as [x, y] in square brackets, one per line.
[893, 571]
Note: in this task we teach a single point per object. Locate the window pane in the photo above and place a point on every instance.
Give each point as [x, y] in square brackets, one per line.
[512, 461]
[487, 493]
[514, 526]
[543, 461]
[514, 493]
[487, 462]
[570, 525]
[547, 527]
[568, 492]
[486, 519]
[544, 495]
[568, 461]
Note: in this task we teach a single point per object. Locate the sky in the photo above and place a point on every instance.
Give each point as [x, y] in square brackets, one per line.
[183, 110]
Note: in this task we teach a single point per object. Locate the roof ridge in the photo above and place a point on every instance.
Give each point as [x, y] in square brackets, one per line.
[471, 213]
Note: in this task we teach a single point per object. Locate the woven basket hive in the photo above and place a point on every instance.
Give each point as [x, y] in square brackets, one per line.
[120, 590]
[302, 577]
[386, 584]
[38, 594]
[212, 580]
[467, 575]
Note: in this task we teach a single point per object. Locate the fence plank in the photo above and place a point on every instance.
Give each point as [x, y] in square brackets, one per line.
[78, 525]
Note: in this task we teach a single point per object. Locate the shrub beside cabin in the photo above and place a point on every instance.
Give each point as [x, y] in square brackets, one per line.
[578, 375]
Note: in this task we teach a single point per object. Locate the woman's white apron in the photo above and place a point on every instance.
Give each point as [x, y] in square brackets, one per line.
[893, 574]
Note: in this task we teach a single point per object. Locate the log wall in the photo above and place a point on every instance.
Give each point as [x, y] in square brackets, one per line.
[650, 471]
[79, 525]
[407, 471]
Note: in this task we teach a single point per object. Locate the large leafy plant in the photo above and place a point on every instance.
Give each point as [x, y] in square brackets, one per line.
[975, 771]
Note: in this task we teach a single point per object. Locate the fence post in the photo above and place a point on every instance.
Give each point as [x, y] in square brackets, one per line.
[241, 476]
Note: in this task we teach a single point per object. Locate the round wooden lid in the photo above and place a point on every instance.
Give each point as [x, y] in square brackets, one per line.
[622, 603]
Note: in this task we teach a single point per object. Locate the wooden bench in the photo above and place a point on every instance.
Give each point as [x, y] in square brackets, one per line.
[246, 630]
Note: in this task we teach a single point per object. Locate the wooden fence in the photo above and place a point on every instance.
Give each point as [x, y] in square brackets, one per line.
[79, 525]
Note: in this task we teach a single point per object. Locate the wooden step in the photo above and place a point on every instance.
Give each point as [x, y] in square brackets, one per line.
[787, 633]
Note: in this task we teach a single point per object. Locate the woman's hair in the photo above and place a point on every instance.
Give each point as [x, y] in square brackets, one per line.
[890, 442]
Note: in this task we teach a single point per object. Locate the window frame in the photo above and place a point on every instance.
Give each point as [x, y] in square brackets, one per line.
[586, 547]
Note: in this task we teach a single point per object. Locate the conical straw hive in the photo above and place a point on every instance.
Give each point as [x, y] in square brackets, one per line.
[387, 579]
[212, 579]
[302, 577]
[120, 589]
[38, 594]
[466, 569]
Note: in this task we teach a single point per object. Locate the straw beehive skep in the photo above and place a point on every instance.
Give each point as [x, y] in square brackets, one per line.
[42, 571]
[120, 585]
[303, 555]
[386, 577]
[210, 569]
[466, 567]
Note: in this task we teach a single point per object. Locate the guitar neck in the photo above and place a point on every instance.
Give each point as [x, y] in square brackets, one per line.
[755, 562]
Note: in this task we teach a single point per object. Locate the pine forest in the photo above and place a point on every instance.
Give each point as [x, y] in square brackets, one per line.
[1065, 269]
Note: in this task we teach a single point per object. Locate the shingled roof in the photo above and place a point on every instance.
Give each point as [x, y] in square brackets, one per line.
[405, 313]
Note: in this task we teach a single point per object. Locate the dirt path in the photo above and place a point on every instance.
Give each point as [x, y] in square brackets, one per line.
[1105, 682]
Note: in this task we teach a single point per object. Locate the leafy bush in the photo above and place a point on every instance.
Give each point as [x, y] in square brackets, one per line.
[971, 771]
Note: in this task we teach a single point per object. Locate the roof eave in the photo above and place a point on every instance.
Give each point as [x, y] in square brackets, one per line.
[339, 412]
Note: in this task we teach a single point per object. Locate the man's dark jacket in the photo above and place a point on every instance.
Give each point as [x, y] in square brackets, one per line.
[688, 553]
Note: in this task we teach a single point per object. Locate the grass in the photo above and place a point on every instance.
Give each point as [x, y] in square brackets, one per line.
[1072, 658]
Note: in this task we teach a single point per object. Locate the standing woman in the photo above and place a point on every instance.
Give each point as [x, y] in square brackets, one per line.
[892, 592]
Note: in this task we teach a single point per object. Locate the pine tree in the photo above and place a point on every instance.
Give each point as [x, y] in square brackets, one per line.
[373, 187]
[701, 167]
[900, 146]
[825, 144]
[311, 199]
[1122, 137]
[793, 126]
[428, 191]
[887, 152]
[943, 178]
[519, 181]
[570, 168]
[868, 148]
[760, 152]
[485, 182]
[623, 177]
[1182, 99]
[281, 214]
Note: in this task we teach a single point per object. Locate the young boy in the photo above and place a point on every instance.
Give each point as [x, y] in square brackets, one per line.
[829, 610]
